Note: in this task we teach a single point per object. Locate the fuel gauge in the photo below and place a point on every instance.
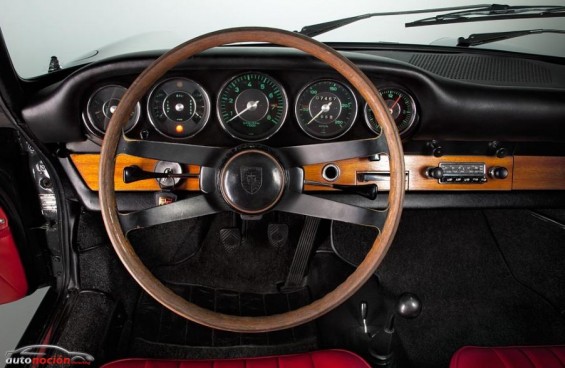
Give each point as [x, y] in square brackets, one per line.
[401, 106]
[101, 107]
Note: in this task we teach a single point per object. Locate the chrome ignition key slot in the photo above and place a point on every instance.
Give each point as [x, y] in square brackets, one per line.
[166, 167]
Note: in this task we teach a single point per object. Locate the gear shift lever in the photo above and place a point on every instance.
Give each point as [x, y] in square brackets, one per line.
[382, 342]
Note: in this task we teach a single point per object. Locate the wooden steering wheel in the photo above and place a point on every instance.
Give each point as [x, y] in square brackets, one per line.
[281, 190]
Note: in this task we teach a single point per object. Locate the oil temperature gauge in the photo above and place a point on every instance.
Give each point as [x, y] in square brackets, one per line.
[178, 108]
[401, 106]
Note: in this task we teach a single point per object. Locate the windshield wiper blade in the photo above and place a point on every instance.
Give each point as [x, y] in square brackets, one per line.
[481, 38]
[493, 12]
[318, 29]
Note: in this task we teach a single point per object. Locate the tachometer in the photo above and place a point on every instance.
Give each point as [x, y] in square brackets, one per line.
[252, 106]
[101, 107]
[326, 109]
[402, 107]
[178, 108]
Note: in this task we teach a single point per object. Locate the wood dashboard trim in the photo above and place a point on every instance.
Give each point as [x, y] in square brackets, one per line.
[88, 165]
[539, 173]
[525, 173]
[416, 166]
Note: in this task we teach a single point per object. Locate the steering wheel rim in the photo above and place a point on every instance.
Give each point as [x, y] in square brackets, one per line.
[156, 288]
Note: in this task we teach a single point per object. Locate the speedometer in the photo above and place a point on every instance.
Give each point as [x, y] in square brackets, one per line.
[326, 109]
[252, 106]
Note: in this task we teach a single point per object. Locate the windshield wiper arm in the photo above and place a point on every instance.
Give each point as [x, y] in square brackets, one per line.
[317, 29]
[481, 38]
[493, 12]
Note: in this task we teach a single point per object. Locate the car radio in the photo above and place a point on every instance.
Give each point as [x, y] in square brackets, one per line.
[459, 172]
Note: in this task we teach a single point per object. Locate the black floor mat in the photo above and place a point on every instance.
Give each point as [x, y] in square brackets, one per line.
[159, 333]
[534, 248]
[90, 316]
[254, 266]
[188, 253]
[480, 284]
[469, 296]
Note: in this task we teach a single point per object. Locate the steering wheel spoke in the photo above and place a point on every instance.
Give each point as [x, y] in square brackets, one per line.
[294, 201]
[309, 205]
[177, 152]
[333, 151]
[184, 209]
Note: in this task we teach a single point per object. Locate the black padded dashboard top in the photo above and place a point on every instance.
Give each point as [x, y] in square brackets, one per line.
[460, 97]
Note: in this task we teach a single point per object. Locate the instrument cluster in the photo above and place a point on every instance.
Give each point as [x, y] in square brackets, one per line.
[251, 107]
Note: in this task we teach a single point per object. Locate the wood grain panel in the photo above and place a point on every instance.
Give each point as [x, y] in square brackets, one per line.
[88, 164]
[525, 173]
[537, 173]
[418, 180]
[415, 167]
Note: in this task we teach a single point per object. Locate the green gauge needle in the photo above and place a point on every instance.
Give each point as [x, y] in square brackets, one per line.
[251, 106]
[325, 108]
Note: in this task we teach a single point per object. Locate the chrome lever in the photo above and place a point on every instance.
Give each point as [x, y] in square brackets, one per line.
[364, 312]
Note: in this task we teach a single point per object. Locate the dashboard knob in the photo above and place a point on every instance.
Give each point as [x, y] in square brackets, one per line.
[438, 151]
[498, 172]
[434, 172]
[501, 152]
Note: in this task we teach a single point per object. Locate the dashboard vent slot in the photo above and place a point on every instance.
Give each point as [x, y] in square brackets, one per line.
[483, 69]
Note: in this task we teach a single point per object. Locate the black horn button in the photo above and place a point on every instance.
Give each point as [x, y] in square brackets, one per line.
[252, 181]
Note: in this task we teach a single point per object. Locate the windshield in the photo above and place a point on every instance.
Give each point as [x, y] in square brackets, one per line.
[81, 32]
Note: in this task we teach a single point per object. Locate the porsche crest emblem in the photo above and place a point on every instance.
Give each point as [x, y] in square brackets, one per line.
[251, 178]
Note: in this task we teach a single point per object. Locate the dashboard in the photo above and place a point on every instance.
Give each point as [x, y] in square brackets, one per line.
[469, 122]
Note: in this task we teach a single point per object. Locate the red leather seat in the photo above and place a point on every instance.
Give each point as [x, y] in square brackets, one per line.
[13, 281]
[509, 357]
[317, 359]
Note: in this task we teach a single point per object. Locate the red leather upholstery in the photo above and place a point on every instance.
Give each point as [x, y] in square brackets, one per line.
[318, 359]
[13, 281]
[510, 357]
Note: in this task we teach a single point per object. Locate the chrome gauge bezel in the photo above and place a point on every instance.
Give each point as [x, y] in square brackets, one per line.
[89, 120]
[283, 117]
[413, 106]
[353, 119]
[205, 117]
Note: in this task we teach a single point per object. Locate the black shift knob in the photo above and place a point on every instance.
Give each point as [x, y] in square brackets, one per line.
[408, 306]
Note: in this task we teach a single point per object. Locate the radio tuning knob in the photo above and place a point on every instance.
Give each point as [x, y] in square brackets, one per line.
[434, 172]
[498, 172]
